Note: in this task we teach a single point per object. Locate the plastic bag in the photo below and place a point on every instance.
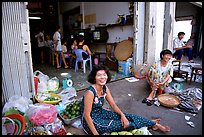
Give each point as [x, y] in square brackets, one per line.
[56, 127]
[77, 124]
[53, 84]
[41, 114]
[17, 102]
[42, 81]
[67, 94]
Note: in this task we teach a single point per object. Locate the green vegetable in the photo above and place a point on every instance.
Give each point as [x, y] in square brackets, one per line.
[114, 133]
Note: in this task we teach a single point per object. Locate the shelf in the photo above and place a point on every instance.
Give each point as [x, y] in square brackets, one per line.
[117, 25]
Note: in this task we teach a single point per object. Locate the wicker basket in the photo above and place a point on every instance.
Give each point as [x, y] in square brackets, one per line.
[168, 100]
[123, 50]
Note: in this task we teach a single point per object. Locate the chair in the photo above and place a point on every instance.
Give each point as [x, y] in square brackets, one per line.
[177, 70]
[195, 71]
[79, 58]
[67, 57]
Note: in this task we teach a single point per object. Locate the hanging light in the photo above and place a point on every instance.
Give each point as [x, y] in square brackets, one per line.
[34, 18]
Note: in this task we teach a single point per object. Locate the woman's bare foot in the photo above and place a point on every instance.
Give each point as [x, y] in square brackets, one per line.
[156, 120]
[58, 67]
[66, 67]
[160, 127]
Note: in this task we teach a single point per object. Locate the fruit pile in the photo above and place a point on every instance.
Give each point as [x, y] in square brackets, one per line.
[72, 110]
[132, 132]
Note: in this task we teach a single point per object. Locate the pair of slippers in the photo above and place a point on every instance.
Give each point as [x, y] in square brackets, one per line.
[148, 102]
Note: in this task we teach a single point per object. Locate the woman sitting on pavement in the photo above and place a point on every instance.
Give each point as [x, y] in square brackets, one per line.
[96, 120]
[159, 75]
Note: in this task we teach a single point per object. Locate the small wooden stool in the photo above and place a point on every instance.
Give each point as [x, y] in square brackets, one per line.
[195, 72]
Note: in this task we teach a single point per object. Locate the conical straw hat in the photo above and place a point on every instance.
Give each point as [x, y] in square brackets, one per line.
[123, 50]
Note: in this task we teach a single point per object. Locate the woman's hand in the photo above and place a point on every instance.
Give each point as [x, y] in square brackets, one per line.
[160, 84]
[124, 120]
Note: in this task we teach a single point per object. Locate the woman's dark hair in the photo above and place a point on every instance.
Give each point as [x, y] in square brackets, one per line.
[92, 75]
[166, 51]
[181, 33]
[80, 38]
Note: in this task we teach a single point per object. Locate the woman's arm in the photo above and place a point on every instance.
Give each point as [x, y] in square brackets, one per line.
[87, 49]
[88, 101]
[165, 80]
[116, 109]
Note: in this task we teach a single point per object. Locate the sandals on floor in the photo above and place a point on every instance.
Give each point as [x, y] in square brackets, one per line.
[149, 102]
[66, 67]
[58, 67]
[144, 100]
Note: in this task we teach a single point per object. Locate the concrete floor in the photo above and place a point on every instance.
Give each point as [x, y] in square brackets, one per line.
[132, 104]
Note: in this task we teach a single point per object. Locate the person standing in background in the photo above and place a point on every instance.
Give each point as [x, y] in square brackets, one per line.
[58, 48]
[41, 43]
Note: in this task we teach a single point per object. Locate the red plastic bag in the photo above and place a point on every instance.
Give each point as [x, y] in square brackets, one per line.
[41, 114]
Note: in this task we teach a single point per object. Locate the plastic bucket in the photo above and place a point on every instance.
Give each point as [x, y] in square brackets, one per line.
[96, 61]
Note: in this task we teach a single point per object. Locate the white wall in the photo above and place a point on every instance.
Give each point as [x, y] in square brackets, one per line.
[154, 41]
[182, 26]
[159, 28]
[139, 39]
[107, 13]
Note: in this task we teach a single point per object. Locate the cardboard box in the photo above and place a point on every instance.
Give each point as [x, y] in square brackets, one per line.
[125, 68]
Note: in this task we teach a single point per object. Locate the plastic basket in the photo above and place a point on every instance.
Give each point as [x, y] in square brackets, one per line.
[70, 121]
[49, 102]
[8, 126]
[20, 118]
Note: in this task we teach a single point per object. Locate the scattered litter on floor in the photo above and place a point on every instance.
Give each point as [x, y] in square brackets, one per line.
[132, 79]
[187, 118]
[191, 124]
[192, 114]
[129, 95]
[156, 103]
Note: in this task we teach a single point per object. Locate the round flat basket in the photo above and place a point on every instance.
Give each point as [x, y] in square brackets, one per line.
[123, 50]
[50, 102]
[168, 100]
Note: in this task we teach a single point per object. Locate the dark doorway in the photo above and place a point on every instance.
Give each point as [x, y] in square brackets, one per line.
[48, 12]
[70, 23]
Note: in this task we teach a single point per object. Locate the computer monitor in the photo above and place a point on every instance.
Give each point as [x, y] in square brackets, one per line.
[81, 33]
[96, 35]
[99, 35]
